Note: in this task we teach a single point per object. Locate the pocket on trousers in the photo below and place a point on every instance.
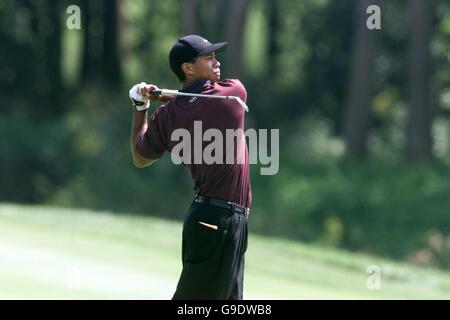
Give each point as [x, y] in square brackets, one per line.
[203, 242]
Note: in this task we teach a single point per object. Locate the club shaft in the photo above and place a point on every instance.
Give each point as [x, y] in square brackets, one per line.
[187, 94]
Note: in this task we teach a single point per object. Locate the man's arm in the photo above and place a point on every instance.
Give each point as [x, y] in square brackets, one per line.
[141, 97]
[138, 129]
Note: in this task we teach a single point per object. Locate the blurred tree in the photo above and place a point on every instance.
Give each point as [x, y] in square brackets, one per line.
[272, 37]
[190, 17]
[35, 39]
[112, 42]
[53, 44]
[235, 24]
[102, 42]
[14, 55]
[219, 20]
[91, 57]
[419, 122]
[317, 48]
[216, 18]
[357, 115]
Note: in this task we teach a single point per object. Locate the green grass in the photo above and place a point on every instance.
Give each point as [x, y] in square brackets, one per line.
[55, 253]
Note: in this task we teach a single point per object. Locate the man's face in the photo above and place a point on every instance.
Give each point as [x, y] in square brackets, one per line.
[206, 67]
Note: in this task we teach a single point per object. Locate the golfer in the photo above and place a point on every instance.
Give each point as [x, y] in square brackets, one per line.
[215, 227]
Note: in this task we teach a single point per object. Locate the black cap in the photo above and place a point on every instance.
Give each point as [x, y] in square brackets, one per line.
[189, 47]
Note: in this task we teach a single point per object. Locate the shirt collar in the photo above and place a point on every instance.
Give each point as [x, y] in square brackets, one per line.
[196, 87]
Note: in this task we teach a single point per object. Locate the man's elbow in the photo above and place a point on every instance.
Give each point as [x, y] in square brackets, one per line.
[140, 162]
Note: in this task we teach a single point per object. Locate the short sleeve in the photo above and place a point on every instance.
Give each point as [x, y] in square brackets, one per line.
[238, 89]
[153, 143]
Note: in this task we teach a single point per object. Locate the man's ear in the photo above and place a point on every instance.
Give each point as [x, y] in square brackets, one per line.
[187, 68]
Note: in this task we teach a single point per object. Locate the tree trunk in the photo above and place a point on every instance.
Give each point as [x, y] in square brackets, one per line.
[419, 122]
[33, 50]
[272, 37]
[54, 49]
[112, 44]
[216, 19]
[189, 17]
[357, 115]
[92, 64]
[45, 77]
[235, 31]
[86, 58]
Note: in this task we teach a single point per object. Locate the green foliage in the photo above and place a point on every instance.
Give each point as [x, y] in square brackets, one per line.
[35, 157]
[377, 206]
[103, 175]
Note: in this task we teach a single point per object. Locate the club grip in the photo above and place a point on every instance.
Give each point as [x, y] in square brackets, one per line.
[155, 92]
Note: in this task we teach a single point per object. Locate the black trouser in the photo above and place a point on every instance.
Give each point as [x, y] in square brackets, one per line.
[214, 243]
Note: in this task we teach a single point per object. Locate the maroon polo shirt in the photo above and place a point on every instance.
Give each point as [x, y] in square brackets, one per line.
[228, 180]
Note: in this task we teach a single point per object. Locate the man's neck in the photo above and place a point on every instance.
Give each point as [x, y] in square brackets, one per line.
[187, 83]
[193, 86]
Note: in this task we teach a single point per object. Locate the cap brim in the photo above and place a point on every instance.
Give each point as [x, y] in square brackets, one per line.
[216, 47]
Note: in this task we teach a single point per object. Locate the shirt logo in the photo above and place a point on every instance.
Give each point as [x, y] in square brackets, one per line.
[192, 100]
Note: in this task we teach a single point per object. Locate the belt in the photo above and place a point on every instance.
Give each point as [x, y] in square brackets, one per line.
[234, 207]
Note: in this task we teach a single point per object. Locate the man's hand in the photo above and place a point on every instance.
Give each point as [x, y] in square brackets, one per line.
[147, 91]
[141, 96]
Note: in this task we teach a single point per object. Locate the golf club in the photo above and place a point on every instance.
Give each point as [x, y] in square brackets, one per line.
[185, 94]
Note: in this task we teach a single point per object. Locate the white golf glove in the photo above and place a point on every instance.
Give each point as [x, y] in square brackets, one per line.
[140, 102]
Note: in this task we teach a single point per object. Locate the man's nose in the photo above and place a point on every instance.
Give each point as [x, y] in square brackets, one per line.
[216, 63]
